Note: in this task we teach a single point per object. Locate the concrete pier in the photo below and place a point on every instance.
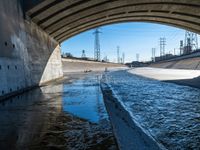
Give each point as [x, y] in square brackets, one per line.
[29, 56]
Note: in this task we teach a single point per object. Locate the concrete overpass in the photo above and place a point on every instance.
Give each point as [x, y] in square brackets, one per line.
[31, 31]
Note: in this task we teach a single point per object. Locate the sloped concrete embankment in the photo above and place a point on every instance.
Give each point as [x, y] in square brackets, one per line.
[73, 65]
[189, 63]
[129, 134]
[178, 76]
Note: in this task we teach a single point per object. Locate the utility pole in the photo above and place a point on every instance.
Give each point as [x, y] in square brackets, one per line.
[153, 54]
[174, 52]
[162, 46]
[97, 53]
[181, 47]
[118, 58]
[123, 58]
[137, 57]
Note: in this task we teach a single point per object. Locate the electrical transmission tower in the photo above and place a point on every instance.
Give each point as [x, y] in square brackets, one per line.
[83, 54]
[97, 52]
[191, 41]
[118, 58]
[162, 46]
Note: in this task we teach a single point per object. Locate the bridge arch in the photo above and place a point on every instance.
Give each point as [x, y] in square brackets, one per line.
[63, 19]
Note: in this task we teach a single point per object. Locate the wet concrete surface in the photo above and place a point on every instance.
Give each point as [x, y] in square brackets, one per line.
[68, 114]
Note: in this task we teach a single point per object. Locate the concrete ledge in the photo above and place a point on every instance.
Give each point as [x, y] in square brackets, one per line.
[73, 65]
[21, 91]
[129, 134]
[178, 76]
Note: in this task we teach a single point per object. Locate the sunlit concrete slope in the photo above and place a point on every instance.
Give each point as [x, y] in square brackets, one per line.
[190, 63]
[73, 65]
[63, 19]
[179, 76]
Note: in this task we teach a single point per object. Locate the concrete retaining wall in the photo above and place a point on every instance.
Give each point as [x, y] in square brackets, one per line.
[190, 63]
[73, 65]
[28, 56]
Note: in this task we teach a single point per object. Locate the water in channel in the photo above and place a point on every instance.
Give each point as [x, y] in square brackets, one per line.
[68, 114]
[170, 113]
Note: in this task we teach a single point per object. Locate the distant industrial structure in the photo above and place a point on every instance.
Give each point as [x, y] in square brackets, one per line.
[187, 46]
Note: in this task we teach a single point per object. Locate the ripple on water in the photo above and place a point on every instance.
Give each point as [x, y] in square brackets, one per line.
[170, 112]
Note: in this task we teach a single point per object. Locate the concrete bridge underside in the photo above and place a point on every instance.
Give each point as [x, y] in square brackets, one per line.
[62, 19]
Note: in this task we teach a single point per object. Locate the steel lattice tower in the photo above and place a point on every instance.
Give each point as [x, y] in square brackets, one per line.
[191, 40]
[162, 46]
[97, 52]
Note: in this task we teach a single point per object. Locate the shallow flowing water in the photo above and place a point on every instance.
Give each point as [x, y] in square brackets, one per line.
[170, 113]
[68, 114]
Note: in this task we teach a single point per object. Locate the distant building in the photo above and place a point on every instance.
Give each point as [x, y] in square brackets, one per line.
[137, 64]
[65, 55]
[187, 49]
[164, 57]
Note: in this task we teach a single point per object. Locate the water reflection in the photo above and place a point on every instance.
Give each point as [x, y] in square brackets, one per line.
[24, 117]
[43, 118]
[83, 98]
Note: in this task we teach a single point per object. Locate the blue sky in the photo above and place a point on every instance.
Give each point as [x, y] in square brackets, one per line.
[132, 38]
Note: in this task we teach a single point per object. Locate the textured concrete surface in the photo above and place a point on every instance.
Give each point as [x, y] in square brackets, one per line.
[72, 65]
[165, 74]
[64, 19]
[190, 63]
[28, 56]
[178, 76]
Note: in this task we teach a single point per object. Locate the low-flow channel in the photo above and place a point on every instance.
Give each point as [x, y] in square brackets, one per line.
[68, 114]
